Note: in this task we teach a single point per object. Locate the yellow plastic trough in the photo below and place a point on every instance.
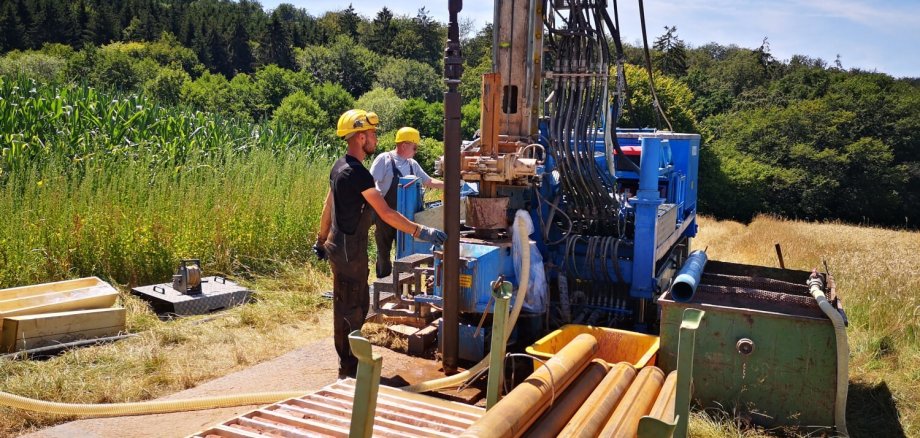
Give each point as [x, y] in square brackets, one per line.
[614, 345]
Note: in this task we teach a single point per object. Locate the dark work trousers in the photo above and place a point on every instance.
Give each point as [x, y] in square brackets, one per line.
[351, 299]
[384, 234]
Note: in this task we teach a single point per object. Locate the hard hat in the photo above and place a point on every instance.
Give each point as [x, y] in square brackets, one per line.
[356, 120]
[408, 134]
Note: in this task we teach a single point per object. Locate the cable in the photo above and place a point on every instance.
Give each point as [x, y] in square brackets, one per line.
[648, 67]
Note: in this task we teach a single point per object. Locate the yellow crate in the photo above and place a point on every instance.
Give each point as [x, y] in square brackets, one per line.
[614, 345]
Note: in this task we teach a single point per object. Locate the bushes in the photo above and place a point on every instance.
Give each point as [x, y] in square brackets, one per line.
[300, 111]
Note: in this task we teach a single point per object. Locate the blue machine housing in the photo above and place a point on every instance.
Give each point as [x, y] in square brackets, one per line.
[661, 207]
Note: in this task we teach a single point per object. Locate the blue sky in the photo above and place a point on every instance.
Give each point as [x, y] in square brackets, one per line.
[882, 35]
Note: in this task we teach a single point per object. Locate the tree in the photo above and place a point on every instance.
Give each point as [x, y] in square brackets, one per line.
[348, 21]
[240, 51]
[388, 106]
[382, 33]
[219, 55]
[12, 31]
[334, 98]
[410, 79]
[276, 45]
[672, 57]
[166, 87]
[300, 111]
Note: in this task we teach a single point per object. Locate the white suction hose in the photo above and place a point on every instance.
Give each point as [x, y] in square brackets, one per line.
[843, 353]
[457, 379]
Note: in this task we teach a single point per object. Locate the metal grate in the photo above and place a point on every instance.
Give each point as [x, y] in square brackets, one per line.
[327, 412]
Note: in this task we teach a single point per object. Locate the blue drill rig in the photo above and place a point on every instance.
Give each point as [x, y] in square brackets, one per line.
[611, 211]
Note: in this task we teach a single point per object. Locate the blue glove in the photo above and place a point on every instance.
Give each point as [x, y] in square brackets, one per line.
[320, 251]
[432, 235]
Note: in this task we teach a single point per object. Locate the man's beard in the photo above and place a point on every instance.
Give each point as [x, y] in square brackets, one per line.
[368, 148]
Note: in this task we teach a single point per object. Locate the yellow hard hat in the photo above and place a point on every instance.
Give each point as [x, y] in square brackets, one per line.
[408, 134]
[356, 120]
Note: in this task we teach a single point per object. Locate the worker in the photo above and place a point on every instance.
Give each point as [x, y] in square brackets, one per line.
[387, 168]
[344, 225]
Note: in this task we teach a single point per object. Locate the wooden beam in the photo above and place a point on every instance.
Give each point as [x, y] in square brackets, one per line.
[33, 331]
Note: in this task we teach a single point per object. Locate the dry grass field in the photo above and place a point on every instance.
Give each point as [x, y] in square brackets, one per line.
[877, 272]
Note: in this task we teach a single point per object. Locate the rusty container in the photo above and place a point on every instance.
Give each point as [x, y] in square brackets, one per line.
[764, 351]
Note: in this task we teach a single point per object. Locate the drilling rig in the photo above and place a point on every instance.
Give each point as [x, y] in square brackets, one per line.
[610, 212]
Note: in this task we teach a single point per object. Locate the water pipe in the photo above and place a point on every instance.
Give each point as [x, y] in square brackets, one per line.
[501, 292]
[816, 286]
[457, 379]
[688, 278]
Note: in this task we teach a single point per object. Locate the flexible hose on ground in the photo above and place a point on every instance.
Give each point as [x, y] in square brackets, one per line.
[843, 353]
[148, 407]
[456, 379]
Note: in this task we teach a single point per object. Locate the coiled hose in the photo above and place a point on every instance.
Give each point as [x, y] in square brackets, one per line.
[457, 379]
[843, 353]
[148, 407]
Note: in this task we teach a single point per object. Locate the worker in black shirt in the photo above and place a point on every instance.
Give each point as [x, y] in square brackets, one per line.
[344, 225]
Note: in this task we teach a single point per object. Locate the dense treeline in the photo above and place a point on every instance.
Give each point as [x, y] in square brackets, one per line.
[798, 137]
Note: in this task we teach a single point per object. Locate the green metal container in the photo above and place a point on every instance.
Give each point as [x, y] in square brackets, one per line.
[764, 351]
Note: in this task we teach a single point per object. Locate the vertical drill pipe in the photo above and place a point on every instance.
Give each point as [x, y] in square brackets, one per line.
[453, 69]
[497, 352]
[554, 420]
[591, 417]
[636, 403]
[524, 404]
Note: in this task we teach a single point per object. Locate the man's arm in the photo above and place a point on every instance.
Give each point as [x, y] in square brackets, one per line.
[427, 180]
[434, 183]
[392, 217]
[325, 220]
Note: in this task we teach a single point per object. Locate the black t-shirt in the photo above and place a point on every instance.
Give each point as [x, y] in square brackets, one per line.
[347, 180]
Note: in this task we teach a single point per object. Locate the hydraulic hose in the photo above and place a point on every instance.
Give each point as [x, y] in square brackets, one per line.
[843, 352]
[148, 407]
[456, 379]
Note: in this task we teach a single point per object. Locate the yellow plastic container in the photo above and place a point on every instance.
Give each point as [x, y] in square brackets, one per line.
[614, 345]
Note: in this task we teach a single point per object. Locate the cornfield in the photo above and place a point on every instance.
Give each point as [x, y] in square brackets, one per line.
[117, 186]
[75, 124]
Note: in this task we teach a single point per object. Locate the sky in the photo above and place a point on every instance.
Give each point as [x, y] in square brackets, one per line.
[874, 35]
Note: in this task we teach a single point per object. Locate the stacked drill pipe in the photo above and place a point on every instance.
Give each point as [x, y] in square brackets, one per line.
[524, 404]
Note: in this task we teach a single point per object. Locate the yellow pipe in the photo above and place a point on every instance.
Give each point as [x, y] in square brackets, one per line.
[591, 417]
[574, 397]
[523, 405]
[638, 400]
[148, 407]
[663, 409]
[457, 379]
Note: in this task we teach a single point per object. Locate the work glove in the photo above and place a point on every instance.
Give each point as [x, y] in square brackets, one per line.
[320, 251]
[432, 235]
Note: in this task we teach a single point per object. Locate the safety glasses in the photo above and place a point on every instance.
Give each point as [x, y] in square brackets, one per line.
[369, 118]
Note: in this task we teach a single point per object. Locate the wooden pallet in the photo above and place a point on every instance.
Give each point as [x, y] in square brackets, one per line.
[327, 412]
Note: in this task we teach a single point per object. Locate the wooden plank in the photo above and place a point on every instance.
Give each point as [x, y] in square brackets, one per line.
[491, 109]
[44, 288]
[58, 302]
[33, 331]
